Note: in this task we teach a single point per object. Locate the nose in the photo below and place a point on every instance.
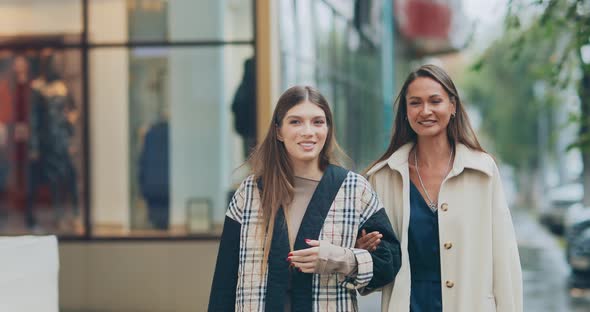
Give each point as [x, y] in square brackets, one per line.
[306, 130]
[426, 109]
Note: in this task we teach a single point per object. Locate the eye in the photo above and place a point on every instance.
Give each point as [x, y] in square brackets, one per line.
[294, 122]
[414, 103]
[319, 122]
[436, 101]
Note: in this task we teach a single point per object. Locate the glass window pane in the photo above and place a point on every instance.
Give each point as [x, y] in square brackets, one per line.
[342, 50]
[289, 71]
[41, 142]
[305, 26]
[167, 160]
[288, 40]
[39, 19]
[165, 20]
[323, 36]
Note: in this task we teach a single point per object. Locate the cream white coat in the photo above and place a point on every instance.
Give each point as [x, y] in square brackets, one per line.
[481, 269]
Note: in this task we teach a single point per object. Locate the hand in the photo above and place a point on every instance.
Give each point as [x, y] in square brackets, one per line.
[72, 116]
[368, 242]
[21, 132]
[306, 260]
[33, 155]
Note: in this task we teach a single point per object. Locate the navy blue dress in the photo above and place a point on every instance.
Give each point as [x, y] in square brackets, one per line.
[424, 253]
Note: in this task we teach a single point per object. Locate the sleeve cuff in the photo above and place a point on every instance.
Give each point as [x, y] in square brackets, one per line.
[364, 270]
[335, 259]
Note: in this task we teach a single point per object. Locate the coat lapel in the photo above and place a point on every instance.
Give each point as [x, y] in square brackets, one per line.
[311, 226]
[278, 267]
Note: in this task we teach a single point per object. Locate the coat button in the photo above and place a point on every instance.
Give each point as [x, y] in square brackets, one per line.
[448, 245]
[444, 207]
[450, 284]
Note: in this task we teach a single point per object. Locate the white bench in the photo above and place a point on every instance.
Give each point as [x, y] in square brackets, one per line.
[29, 267]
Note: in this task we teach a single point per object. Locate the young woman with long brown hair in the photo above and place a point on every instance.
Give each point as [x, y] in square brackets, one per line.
[290, 230]
[444, 195]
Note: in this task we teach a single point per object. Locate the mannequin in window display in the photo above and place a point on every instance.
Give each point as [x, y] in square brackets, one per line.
[52, 127]
[4, 171]
[244, 107]
[14, 132]
[154, 173]
[21, 92]
[5, 125]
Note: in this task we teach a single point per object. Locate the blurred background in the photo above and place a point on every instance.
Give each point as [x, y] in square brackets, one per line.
[124, 124]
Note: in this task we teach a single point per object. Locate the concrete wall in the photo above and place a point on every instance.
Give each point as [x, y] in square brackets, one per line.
[136, 276]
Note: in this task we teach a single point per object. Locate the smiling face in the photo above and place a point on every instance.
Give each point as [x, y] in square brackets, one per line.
[429, 108]
[303, 131]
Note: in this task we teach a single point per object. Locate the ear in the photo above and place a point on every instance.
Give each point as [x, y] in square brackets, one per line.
[278, 132]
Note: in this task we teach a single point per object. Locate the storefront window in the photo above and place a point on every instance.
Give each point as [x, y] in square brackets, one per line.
[36, 19]
[169, 20]
[181, 136]
[167, 123]
[41, 141]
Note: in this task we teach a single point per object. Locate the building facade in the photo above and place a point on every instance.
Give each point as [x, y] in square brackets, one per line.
[154, 105]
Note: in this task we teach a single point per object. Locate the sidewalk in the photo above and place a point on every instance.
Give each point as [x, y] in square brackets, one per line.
[544, 267]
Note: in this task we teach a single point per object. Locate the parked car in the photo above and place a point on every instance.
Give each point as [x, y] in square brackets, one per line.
[560, 198]
[575, 214]
[578, 255]
[577, 219]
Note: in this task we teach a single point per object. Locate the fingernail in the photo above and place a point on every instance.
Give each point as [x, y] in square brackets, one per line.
[299, 269]
[289, 259]
[290, 254]
[307, 240]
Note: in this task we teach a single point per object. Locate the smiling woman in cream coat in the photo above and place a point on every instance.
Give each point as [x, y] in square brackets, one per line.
[459, 253]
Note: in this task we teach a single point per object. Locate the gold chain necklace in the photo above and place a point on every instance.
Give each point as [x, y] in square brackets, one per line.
[430, 203]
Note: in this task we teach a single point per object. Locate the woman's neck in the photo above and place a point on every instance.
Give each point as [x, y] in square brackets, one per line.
[433, 151]
[308, 170]
[21, 77]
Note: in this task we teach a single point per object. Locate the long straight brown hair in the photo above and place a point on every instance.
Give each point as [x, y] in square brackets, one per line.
[270, 161]
[459, 129]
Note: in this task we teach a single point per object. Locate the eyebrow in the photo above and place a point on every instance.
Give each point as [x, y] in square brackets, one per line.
[299, 117]
[417, 97]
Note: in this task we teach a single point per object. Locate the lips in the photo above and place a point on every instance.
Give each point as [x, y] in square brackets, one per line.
[427, 122]
[307, 146]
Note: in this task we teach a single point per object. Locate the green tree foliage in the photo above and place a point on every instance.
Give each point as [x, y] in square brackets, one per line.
[502, 86]
[518, 81]
[565, 26]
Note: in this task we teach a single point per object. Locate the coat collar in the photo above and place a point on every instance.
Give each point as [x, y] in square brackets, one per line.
[464, 158]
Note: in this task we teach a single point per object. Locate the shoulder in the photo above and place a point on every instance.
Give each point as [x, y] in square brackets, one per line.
[476, 160]
[238, 201]
[378, 168]
[396, 162]
[363, 189]
[250, 181]
[246, 186]
[357, 180]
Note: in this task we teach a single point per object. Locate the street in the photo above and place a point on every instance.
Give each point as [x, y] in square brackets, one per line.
[545, 272]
